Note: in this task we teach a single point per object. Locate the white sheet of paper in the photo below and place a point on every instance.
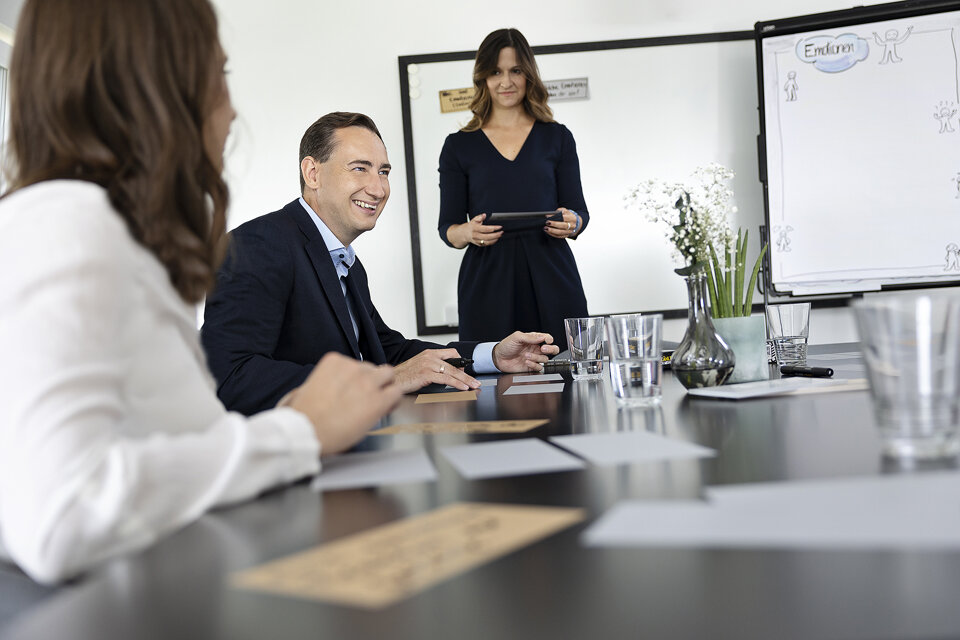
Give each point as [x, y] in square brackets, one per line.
[624, 447]
[484, 382]
[780, 386]
[849, 366]
[551, 387]
[374, 468]
[537, 377]
[846, 355]
[862, 513]
[520, 457]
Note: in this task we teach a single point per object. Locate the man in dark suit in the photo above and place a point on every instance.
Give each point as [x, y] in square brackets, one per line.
[291, 289]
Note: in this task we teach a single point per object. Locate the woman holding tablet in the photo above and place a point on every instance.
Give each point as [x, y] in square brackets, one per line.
[512, 157]
[111, 433]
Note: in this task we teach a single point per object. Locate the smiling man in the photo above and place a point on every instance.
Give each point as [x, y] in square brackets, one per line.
[292, 290]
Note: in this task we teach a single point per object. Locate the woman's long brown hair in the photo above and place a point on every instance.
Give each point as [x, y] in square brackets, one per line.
[116, 92]
[535, 100]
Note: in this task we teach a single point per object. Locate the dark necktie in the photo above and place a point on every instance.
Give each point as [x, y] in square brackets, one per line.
[356, 311]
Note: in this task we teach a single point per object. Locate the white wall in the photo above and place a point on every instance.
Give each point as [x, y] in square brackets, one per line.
[294, 60]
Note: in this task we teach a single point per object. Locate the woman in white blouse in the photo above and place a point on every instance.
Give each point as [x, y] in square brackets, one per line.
[111, 434]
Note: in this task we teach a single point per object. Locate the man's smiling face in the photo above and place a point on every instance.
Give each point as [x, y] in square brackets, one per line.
[353, 184]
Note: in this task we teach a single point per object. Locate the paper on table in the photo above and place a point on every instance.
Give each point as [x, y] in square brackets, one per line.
[847, 355]
[508, 458]
[536, 377]
[849, 366]
[374, 468]
[778, 387]
[492, 426]
[452, 396]
[381, 566]
[634, 446]
[554, 387]
[484, 382]
[864, 513]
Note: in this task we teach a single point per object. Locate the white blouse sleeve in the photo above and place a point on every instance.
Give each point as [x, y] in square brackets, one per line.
[103, 450]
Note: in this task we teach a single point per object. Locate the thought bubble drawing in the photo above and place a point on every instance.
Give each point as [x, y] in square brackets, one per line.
[833, 54]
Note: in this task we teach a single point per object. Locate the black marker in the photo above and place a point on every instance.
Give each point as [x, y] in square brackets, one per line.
[459, 363]
[809, 372]
[557, 365]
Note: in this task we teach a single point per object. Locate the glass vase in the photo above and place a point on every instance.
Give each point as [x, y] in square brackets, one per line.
[703, 359]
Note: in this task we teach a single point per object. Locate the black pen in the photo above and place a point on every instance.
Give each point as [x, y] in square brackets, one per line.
[809, 372]
[459, 363]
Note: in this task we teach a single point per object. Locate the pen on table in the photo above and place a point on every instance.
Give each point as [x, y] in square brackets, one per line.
[459, 363]
[810, 372]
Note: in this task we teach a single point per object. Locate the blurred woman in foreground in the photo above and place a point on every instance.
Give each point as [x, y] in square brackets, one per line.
[111, 433]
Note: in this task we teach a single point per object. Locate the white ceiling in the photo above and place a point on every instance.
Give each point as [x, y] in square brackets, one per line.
[9, 10]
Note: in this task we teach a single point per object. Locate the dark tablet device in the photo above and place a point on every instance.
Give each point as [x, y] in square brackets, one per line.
[522, 215]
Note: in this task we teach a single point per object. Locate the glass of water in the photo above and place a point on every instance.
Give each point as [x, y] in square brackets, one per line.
[788, 326]
[585, 340]
[636, 366]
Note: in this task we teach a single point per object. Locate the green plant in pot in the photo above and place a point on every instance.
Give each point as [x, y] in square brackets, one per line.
[695, 214]
[731, 301]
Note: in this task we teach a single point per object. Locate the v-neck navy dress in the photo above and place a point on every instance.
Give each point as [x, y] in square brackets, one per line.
[527, 280]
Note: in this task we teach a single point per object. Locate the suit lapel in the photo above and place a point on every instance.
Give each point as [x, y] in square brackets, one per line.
[319, 255]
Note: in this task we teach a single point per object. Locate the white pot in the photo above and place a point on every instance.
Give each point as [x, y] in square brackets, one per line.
[747, 338]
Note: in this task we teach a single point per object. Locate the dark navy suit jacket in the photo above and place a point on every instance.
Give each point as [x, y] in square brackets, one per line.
[277, 308]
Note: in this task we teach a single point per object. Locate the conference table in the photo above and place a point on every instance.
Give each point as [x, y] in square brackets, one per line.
[555, 587]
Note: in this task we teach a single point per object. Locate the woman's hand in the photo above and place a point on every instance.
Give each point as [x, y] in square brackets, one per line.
[343, 398]
[564, 228]
[474, 232]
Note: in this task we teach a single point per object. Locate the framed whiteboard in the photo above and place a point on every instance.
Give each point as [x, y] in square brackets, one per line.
[649, 108]
[861, 148]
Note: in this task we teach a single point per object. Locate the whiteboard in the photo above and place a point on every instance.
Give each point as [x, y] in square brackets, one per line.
[862, 142]
[656, 108]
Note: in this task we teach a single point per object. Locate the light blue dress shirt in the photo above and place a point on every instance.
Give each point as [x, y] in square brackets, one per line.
[343, 258]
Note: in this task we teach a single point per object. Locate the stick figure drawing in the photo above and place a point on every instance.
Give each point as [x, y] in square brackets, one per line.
[889, 44]
[953, 257]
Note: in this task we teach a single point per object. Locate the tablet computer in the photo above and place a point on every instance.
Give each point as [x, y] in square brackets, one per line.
[521, 215]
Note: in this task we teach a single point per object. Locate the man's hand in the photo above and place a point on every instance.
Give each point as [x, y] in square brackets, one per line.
[521, 352]
[343, 398]
[428, 366]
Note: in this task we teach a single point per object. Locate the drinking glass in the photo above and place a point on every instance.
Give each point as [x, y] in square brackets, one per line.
[788, 326]
[911, 347]
[636, 365]
[585, 340]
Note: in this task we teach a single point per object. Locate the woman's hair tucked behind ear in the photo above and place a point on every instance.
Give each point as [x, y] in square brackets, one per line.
[116, 92]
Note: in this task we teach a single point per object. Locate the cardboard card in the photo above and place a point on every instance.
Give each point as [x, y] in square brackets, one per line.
[382, 566]
[452, 396]
[492, 426]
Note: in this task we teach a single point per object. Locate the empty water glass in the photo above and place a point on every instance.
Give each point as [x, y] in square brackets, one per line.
[585, 341]
[911, 346]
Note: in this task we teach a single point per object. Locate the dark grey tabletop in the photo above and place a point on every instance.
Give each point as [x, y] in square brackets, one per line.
[555, 588]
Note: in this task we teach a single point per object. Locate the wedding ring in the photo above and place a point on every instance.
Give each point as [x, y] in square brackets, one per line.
[441, 369]
[481, 242]
[568, 226]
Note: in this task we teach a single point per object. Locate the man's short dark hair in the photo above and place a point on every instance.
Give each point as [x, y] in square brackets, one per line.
[318, 141]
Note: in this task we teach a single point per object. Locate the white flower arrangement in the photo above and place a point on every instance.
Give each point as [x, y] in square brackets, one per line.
[696, 214]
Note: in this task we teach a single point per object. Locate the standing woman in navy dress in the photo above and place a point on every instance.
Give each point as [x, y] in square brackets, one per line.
[512, 156]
